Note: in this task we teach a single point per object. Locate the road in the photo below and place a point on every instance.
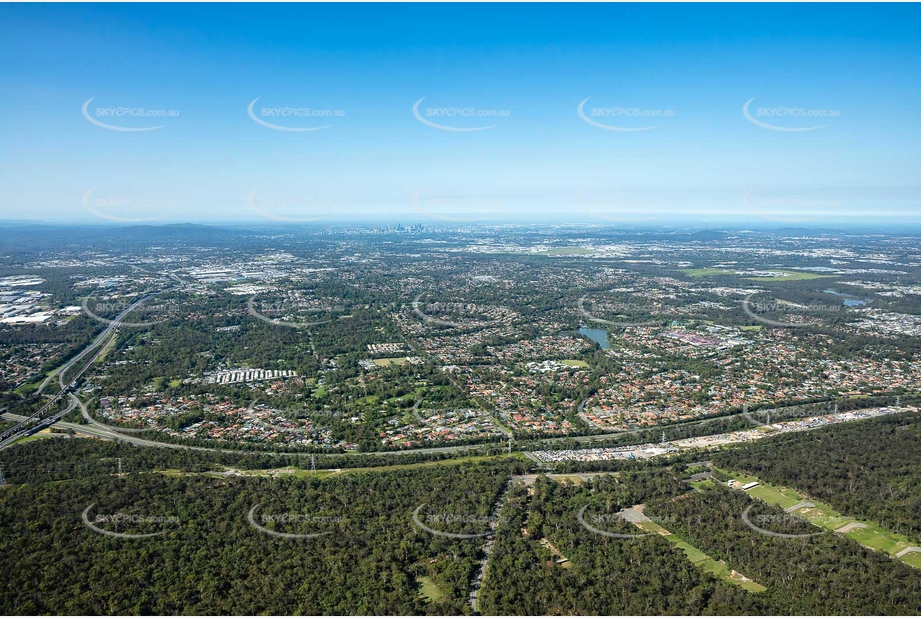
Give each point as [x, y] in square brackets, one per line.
[99, 430]
[474, 596]
[27, 425]
[46, 422]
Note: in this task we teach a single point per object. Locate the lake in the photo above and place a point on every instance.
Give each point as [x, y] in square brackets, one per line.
[598, 335]
[850, 301]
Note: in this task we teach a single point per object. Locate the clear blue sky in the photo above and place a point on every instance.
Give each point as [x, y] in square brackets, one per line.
[542, 162]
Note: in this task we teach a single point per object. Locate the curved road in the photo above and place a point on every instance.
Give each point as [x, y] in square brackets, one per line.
[101, 430]
[27, 424]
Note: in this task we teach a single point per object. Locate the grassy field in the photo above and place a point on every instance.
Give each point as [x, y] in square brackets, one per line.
[705, 272]
[110, 345]
[824, 516]
[28, 387]
[717, 568]
[792, 275]
[428, 464]
[430, 590]
[383, 362]
[42, 435]
[574, 363]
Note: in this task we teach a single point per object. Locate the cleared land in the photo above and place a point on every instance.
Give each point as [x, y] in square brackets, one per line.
[717, 568]
[790, 275]
[383, 362]
[869, 535]
[569, 251]
[705, 272]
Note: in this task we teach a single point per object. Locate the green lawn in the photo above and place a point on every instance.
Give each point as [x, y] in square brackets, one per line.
[383, 362]
[693, 554]
[32, 438]
[717, 568]
[705, 272]
[792, 275]
[574, 363]
[28, 387]
[430, 590]
[428, 464]
[824, 516]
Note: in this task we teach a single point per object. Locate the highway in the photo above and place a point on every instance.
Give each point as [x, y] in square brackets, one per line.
[28, 424]
[99, 430]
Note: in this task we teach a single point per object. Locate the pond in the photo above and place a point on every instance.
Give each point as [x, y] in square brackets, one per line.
[598, 335]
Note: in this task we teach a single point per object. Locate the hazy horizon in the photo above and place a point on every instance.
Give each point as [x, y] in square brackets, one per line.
[462, 113]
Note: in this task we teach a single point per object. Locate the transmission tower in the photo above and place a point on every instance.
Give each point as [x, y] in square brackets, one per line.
[2, 478]
[313, 465]
[119, 466]
[663, 437]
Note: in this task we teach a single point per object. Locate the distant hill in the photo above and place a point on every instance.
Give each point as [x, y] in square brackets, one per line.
[171, 231]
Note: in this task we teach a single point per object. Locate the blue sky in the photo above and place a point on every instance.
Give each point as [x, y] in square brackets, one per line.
[521, 70]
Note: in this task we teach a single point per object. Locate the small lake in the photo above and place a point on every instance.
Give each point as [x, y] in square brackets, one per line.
[849, 301]
[598, 335]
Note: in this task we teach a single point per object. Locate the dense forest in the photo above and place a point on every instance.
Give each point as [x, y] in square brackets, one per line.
[867, 470]
[648, 575]
[66, 458]
[207, 558]
[642, 576]
[823, 574]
